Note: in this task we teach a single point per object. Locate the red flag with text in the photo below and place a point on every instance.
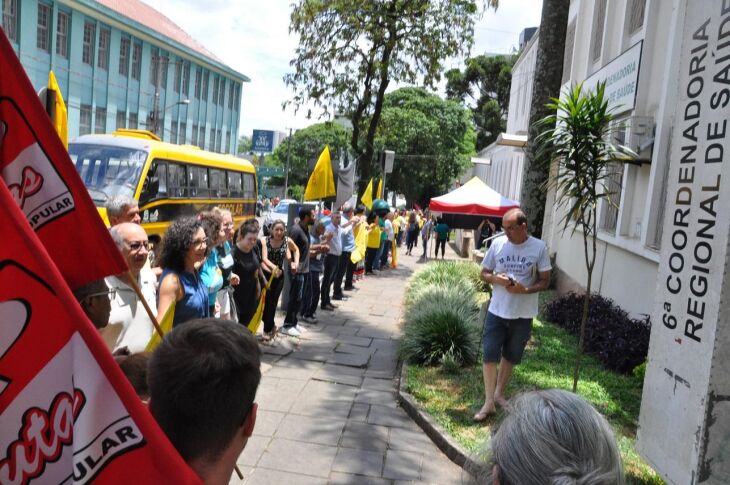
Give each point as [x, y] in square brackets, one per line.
[44, 183]
[67, 412]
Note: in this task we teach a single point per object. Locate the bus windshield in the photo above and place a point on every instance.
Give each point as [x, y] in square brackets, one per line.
[108, 170]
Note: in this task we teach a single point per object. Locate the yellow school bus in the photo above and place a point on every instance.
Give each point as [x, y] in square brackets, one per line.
[168, 180]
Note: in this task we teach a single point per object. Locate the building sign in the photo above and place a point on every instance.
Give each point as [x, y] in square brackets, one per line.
[621, 76]
[685, 413]
[262, 141]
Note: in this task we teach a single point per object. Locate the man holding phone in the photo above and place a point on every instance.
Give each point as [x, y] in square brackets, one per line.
[518, 268]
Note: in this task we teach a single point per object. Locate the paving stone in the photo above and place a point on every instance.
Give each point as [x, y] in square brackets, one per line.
[302, 372]
[353, 340]
[275, 399]
[314, 355]
[338, 478]
[372, 396]
[348, 330]
[439, 469]
[254, 449]
[270, 359]
[323, 431]
[363, 436]
[378, 384]
[263, 476]
[402, 465]
[380, 374]
[353, 360]
[298, 457]
[390, 416]
[358, 462]
[359, 412]
[267, 422]
[408, 440]
[275, 350]
[336, 374]
[374, 332]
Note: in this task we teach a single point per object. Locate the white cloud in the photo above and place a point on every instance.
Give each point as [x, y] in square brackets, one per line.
[253, 38]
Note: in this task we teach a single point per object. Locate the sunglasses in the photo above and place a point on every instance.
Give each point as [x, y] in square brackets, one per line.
[137, 245]
[111, 293]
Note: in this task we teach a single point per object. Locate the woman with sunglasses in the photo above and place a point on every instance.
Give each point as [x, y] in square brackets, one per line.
[184, 250]
[210, 273]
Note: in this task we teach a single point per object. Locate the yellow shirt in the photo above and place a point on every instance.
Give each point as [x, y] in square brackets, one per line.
[374, 237]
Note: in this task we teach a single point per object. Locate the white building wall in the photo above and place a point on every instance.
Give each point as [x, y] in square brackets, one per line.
[628, 255]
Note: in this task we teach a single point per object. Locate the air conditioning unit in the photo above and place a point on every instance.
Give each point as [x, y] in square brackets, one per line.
[640, 132]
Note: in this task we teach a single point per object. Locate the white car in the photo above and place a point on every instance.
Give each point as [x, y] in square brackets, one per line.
[279, 213]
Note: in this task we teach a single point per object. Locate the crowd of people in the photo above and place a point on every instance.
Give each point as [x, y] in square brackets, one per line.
[208, 366]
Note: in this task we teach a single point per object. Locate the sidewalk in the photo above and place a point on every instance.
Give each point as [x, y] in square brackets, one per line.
[327, 401]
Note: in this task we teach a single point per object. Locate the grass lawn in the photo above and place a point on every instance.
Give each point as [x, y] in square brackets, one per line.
[453, 398]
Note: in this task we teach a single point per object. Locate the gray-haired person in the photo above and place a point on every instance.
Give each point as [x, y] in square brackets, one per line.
[122, 208]
[554, 437]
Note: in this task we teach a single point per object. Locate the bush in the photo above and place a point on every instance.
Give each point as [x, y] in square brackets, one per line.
[459, 290]
[449, 272]
[441, 331]
[618, 341]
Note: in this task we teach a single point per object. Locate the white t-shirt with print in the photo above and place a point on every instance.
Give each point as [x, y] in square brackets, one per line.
[523, 262]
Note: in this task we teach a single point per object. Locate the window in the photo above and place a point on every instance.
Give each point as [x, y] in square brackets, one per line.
[198, 75]
[103, 60]
[568, 53]
[176, 186]
[186, 79]
[181, 135]
[100, 121]
[214, 99]
[194, 135]
[154, 60]
[10, 19]
[249, 186]
[124, 56]
[227, 146]
[212, 140]
[133, 123]
[197, 181]
[635, 15]
[599, 20]
[218, 186]
[158, 171]
[238, 98]
[178, 77]
[201, 137]
[218, 140]
[609, 209]
[206, 77]
[222, 92]
[173, 132]
[63, 22]
[121, 119]
[85, 120]
[136, 60]
[43, 31]
[235, 186]
[87, 54]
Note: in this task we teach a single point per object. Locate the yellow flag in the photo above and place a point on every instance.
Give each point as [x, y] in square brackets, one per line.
[380, 189]
[367, 197]
[255, 323]
[165, 325]
[394, 255]
[60, 120]
[322, 181]
[361, 243]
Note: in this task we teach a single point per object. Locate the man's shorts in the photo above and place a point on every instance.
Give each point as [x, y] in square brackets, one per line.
[505, 337]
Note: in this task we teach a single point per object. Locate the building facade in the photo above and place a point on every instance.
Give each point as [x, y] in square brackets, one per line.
[627, 44]
[123, 64]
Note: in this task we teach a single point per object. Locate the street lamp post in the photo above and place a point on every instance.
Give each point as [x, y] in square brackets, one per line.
[156, 112]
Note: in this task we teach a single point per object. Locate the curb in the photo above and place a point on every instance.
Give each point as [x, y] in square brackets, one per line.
[449, 446]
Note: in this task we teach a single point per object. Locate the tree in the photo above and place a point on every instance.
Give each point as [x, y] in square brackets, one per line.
[350, 51]
[484, 86]
[579, 138]
[433, 140]
[548, 77]
[244, 144]
[306, 145]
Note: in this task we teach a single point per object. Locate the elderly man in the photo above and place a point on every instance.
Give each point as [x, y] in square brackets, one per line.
[94, 300]
[130, 325]
[518, 268]
[122, 208]
[333, 238]
[345, 267]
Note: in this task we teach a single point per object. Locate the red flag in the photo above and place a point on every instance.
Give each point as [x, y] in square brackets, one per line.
[68, 413]
[43, 181]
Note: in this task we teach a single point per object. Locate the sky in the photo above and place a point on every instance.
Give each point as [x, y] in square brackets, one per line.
[253, 38]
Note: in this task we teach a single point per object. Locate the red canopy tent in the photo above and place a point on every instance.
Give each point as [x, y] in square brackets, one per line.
[471, 203]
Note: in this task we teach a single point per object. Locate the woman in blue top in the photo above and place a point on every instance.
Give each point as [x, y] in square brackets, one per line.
[210, 273]
[442, 235]
[183, 251]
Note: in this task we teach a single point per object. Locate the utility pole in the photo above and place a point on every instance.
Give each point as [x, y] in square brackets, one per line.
[156, 108]
[286, 172]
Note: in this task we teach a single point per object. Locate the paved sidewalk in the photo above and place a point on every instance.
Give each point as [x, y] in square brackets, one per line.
[327, 401]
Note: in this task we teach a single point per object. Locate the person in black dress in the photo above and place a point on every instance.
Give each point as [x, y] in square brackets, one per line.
[246, 264]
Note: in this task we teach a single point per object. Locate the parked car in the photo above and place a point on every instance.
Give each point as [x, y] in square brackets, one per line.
[280, 212]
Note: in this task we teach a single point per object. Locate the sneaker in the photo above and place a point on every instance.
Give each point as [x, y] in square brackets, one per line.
[309, 319]
[339, 297]
[329, 307]
[291, 331]
[300, 329]
[351, 288]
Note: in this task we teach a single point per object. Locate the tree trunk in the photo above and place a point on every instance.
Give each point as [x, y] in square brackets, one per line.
[590, 263]
[548, 75]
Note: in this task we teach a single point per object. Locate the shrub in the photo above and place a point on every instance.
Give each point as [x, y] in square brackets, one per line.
[459, 290]
[447, 273]
[441, 330]
[618, 341]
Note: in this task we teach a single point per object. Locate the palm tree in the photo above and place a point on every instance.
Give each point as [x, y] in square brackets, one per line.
[579, 136]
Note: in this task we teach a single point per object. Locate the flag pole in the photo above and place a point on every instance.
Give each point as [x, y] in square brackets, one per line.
[135, 287]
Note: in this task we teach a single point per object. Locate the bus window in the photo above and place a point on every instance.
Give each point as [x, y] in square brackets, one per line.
[249, 186]
[234, 184]
[197, 181]
[176, 180]
[155, 184]
[218, 183]
[106, 170]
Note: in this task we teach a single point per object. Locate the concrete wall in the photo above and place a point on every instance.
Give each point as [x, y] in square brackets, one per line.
[83, 84]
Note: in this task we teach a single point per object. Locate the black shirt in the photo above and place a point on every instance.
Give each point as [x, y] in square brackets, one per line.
[301, 239]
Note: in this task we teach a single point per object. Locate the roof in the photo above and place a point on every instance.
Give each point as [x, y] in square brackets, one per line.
[146, 16]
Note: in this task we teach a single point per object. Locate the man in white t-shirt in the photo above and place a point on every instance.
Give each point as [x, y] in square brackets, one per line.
[333, 237]
[129, 324]
[518, 268]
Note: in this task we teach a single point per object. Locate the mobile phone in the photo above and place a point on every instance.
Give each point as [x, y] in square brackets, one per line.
[512, 280]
